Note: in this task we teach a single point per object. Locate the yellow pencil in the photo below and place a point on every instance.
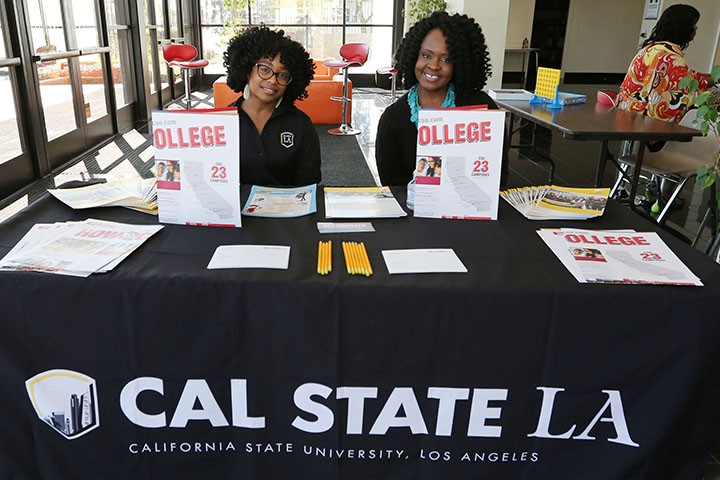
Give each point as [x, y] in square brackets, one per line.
[366, 260]
[353, 258]
[320, 258]
[361, 260]
[328, 256]
[346, 253]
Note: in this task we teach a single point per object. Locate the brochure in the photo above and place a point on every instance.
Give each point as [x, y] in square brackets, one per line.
[135, 193]
[459, 158]
[361, 202]
[601, 256]
[76, 248]
[281, 202]
[550, 202]
[198, 168]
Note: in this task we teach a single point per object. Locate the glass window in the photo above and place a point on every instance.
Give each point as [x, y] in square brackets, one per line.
[57, 100]
[380, 41]
[10, 146]
[320, 42]
[369, 11]
[297, 12]
[46, 26]
[174, 20]
[91, 72]
[214, 13]
[121, 68]
[86, 31]
[159, 18]
[151, 44]
[214, 45]
[3, 52]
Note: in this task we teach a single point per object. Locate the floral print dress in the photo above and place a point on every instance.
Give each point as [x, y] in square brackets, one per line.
[651, 84]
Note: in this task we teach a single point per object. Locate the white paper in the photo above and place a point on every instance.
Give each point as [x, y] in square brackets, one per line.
[250, 256]
[433, 260]
[344, 227]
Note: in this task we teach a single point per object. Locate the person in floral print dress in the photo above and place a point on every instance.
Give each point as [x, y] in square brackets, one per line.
[651, 84]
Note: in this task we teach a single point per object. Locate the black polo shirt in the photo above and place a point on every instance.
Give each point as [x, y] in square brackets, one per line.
[287, 153]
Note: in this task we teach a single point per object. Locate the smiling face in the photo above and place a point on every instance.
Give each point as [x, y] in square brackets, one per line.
[267, 90]
[433, 68]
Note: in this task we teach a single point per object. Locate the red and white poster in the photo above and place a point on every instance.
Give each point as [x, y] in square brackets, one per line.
[459, 158]
[197, 163]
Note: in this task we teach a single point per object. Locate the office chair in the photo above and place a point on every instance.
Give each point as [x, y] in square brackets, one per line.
[183, 56]
[354, 55]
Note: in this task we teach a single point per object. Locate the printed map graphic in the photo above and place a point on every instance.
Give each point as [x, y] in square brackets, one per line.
[467, 191]
[208, 198]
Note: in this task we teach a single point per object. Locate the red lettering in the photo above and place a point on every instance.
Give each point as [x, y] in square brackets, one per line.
[424, 135]
[171, 144]
[626, 241]
[181, 139]
[160, 138]
[485, 131]
[220, 135]
[460, 133]
[473, 132]
[435, 137]
[447, 138]
[641, 241]
[194, 137]
[207, 137]
[612, 241]
[572, 238]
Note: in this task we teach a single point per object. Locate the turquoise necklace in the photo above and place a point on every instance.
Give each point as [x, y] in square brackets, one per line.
[449, 101]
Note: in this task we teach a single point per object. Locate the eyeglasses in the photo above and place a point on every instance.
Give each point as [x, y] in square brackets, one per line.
[266, 73]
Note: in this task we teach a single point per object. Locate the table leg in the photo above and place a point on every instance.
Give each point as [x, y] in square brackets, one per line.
[636, 177]
[602, 162]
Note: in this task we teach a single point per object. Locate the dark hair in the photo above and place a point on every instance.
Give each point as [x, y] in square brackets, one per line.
[676, 25]
[254, 43]
[466, 46]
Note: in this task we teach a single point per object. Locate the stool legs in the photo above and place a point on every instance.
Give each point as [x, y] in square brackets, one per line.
[345, 128]
[186, 76]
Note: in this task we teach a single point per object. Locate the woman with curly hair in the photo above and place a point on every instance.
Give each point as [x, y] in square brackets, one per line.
[279, 145]
[444, 62]
[651, 86]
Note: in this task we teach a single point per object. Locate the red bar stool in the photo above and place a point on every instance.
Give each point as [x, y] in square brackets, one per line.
[393, 74]
[354, 55]
[183, 56]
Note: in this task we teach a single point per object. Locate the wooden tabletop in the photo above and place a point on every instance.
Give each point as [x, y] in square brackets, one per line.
[594, 121]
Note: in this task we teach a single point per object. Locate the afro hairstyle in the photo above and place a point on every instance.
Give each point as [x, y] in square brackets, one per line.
[466, 44]
[255, 43]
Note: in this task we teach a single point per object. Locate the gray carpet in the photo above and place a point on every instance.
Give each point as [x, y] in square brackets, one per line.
[343, 163]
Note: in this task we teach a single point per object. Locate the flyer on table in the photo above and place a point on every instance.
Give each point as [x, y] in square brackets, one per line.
[197, 166]
[458, 164]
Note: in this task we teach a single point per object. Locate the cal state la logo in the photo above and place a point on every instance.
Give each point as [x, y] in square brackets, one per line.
[65, 400]
[287, 139]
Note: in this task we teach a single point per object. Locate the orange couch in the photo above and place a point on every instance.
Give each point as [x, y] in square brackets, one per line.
[317, 105]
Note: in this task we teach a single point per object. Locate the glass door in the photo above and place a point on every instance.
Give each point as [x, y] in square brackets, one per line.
[164, 26]
[71, 74]
[16, 166]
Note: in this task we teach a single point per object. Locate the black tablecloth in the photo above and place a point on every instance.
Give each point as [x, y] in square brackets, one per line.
[511, 371]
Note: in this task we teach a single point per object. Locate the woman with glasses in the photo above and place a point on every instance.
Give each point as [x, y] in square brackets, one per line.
[278, 143]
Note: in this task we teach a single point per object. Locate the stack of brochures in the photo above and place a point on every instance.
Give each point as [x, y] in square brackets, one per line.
[76, 248]
[361, 202]
[618, 256]
[135, 193]
[550, 202]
